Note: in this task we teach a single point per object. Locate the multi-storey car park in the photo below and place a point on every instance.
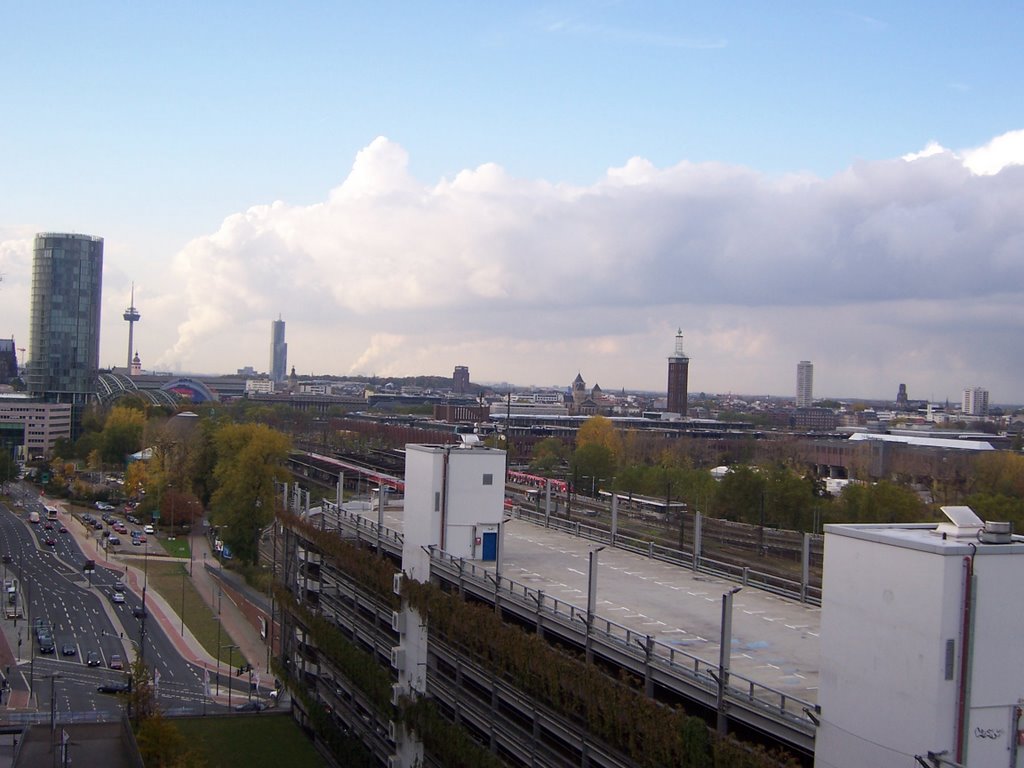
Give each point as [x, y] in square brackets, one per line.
[443, 632]
[653, 624]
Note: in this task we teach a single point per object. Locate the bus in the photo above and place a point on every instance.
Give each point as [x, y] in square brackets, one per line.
[51, 513]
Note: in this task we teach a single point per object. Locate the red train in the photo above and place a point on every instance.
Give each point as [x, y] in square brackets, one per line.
[536, 481]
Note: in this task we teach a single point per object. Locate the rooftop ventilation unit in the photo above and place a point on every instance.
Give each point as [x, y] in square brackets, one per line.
[963, 524]
[996, 533]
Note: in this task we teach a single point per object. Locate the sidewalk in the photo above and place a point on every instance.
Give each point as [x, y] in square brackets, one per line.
[237, 630]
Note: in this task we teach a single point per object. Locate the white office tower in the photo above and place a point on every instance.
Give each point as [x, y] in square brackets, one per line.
[454, 501]
[921, 628]
[804, 384]
[975, 402]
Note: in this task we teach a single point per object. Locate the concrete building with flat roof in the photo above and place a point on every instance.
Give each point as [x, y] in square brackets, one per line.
[39, 425]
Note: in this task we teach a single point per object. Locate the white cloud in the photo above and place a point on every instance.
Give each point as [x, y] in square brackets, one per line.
[1002, 152]
[891, 271]
[391, 275]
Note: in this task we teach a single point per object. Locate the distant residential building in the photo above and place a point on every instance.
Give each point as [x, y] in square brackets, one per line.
[259, 387]
[462, 413]
[64, 321]
[816, 419]
[278, 351]
[460, 379]
[678, 378]
[975, 402]
[314, 388]
[804, 384]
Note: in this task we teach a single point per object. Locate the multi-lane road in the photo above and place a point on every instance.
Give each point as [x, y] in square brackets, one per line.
[81, 611]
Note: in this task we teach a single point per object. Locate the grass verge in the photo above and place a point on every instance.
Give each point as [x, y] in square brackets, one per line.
[271, 740]
[177, 548]
[169, 580]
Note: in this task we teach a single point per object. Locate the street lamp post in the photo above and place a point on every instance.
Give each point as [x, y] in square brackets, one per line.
[219, 593]
[170, 487]
[231, 665]
[724, 659]
[183, 602]
[591, 598]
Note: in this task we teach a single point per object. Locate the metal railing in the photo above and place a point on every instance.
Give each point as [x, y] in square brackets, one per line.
[700, 672]
[748, 577]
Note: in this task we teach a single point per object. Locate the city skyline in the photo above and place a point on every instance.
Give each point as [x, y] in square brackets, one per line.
[537, 190]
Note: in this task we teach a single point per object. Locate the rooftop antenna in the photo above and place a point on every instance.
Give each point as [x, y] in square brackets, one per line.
[132, 316]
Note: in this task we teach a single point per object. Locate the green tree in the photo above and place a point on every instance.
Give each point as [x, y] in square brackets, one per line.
[881, 502]
[250, 459]
[591, 464]
[547, 454]
[8, 469]
[740, 494]
[789, 499]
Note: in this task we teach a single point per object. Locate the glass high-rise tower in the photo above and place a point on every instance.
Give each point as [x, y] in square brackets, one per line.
[64, 321]
[278, 351]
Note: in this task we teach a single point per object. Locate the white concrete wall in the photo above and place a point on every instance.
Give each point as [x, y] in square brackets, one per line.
[892, 597]
[458, 499]
[997, 677]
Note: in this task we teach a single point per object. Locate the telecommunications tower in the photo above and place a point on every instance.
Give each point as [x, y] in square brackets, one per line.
[132, 316]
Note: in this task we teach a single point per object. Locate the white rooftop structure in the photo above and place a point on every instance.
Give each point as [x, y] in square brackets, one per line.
[920, 644]
[928, 442]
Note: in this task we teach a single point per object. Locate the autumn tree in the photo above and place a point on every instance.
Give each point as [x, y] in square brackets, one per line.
[122, 434]
[599, 430]
[250, 460]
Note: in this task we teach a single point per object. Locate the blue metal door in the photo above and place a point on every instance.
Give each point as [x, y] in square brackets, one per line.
[490, 545]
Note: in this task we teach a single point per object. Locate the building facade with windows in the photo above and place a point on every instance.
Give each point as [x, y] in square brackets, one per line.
[804, 384]
[64, 322]
[38, 425]
[975, 402]
[278, 352]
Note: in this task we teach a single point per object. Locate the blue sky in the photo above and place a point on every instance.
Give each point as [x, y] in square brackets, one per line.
[160, 127]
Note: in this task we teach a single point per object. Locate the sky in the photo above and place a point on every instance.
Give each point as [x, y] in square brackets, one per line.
[533, 189]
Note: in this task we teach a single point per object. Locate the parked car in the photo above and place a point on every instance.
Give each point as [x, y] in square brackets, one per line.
[116, 687]
[251, 706]
[103, 506]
